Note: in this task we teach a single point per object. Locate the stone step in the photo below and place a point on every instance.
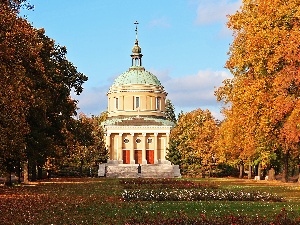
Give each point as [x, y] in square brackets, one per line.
[147, 171]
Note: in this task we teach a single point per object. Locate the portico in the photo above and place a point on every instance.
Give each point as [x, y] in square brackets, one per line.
[137, 145]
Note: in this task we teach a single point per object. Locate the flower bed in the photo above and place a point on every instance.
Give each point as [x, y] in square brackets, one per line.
[164, 184]
[197, 195]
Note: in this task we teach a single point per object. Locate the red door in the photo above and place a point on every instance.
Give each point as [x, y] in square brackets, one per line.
[138, 156]
[150, 156]
[126, 156]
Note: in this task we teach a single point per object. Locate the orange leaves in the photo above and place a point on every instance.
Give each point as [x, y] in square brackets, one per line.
[17, 48]
[266, 33]
[290, 132]
[36, 81]
[263, 95]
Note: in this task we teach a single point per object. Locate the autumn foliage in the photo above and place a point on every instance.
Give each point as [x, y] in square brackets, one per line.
[192, 139]
[36, 82]
[262, 114]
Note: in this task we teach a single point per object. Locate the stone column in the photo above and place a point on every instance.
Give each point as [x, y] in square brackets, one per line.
[119, 149]
[166, 145]
[107, 141]
[121, 103]
[144, 141]
[131, 141]
[155, 148]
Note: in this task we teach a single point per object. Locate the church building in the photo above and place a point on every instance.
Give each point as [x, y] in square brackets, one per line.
[137, 131]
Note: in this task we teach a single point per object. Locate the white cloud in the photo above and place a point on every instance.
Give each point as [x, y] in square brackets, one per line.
[186, 93]
[194, 91]
[92, 101]
[211, 11]
[160, 22]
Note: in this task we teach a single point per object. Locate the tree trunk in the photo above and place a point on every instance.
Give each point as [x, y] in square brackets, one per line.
[25, 172]
[40, 172]
[8, 181]
[298, 173]
[250, 171]
[285, 167]
[241, 171]
[48, 173]
[19, 172]
[293, 171]
[33, 171]
[259, 171]
[81, 167]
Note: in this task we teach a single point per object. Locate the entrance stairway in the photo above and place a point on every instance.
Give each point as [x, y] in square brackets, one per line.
[146, 171]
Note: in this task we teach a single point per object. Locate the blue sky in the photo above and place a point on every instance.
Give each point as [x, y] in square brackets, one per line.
[184, 43]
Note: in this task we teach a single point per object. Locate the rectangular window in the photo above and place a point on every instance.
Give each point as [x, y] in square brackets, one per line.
[137, 102]
[158, 103]
[117, 103]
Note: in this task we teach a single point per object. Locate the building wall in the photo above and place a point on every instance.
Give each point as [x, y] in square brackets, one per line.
[123, 146]
[122, 101]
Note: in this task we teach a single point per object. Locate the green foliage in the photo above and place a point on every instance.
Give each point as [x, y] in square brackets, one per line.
[36, 81]
[85, 147]
[192, 169]
[173, 155]
[226, 170]
[51, 115]
[170, 111]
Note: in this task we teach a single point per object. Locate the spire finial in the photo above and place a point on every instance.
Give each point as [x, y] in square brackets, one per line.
[136, 29]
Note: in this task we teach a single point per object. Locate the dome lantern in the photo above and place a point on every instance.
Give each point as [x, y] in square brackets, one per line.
[136, 56]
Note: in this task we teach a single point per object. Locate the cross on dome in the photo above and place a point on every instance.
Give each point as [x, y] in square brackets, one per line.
[136, 29]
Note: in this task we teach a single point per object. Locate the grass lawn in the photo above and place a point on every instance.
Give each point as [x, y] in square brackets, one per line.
[99, 201]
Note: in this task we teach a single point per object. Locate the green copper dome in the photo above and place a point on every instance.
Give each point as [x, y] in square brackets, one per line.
[136, 75]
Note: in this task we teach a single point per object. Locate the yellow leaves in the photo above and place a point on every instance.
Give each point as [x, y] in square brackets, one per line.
[195, 133]
[290, 132]
[263, 95]
[267, 33]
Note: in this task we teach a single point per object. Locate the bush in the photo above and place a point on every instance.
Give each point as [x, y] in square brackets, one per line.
[192, 170]
[226, 170]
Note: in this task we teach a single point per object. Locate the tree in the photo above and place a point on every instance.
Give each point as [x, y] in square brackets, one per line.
[16, 5]
[35, 103]
[19, 51]
[193, 138]
[173, 154]
[170, 111]
[53, 108]
[263, 95]
[85, 144]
